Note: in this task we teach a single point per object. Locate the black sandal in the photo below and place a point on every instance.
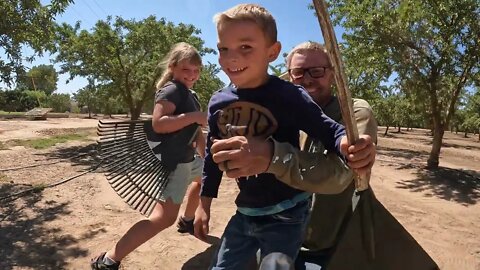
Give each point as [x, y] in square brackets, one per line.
[184, 226]
[99, 264]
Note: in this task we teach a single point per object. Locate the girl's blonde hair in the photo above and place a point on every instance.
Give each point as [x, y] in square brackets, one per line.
[179, 52]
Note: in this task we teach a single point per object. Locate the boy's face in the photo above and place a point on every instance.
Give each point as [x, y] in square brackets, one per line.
[186, 73]
[244, 53]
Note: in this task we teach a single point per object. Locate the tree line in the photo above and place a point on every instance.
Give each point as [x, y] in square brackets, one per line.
[119, 57]
[416, 61]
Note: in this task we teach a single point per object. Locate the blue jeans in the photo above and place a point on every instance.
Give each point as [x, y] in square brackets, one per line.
[244, 235]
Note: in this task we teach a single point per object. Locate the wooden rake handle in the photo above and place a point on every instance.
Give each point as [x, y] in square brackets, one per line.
[345, 99]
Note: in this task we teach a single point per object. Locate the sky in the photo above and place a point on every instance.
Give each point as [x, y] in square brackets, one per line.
[295, 23]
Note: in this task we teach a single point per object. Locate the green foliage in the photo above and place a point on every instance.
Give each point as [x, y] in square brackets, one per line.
[108, 102]
[430, 47]
[25, 23]
[123, 54]
[3, 177]
[59, 102]
[277, 69]
[17, 101]
[40, 78]
[208, 84]
[87, 96]
[39, 96]
[471, 114]
[43, 143]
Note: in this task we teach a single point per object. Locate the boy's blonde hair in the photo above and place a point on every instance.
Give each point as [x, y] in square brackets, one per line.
[303, 47]
[253, 13]
[179, 52]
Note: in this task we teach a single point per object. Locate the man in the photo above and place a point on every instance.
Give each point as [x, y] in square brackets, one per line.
[311, 169]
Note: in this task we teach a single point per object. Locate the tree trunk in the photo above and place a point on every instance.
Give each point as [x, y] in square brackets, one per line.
[135, 113]
[465, 135]
[386, 131]
[438, 131]
[399, 129]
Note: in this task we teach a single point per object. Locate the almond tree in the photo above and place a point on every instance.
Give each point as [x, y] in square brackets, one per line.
[123, 54]
[431, 46]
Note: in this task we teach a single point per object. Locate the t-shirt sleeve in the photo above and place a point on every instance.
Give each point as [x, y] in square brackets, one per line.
[315, 123]
[169, 93]
[366, 122]
[212, 175]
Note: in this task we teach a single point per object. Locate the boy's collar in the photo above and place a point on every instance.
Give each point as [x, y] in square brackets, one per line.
[267, 80]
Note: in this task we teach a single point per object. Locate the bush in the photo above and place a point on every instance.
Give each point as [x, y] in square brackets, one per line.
[59, 102]
[17, 101]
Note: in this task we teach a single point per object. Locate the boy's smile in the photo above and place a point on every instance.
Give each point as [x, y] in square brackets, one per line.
[245, 53]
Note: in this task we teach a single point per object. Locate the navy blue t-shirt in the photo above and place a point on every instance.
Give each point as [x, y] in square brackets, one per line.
[279, 109]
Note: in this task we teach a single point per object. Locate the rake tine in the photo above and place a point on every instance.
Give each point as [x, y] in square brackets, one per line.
[121, 125]
[113, 167]
[131, 192]
[118, 172]
[111, 134]
[146, 203]
[128, 122]
[123, 129]
[136, 203]
[131, 146]
[117, 158]
[121, 141]
[164, 173]
[133, 178]
[113, 150]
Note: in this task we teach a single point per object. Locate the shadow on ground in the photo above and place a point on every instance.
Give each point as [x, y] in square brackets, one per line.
[458, 185]
[462, 186]
[26, 239]
[202, 260]
[83, 155]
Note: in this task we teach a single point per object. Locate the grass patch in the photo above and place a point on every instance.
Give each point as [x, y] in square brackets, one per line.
[11, 113]
[43, 143]
[3, 146]
[4, 178]
[39, 187]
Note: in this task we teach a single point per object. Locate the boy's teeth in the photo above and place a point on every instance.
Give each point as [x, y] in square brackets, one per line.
[238, 69]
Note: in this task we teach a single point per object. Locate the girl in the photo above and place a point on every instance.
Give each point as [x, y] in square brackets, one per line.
[175, 108]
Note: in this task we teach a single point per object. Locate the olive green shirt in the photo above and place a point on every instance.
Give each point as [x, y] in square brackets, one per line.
[325, 174]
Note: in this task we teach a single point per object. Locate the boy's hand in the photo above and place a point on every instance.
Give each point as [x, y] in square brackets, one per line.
[361, 155]
[242, 156]
[202, 218]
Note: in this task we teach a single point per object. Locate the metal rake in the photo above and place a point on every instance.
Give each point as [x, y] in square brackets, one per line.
[131, 154]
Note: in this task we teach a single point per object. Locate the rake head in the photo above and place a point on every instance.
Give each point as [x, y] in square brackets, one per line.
[137, 161]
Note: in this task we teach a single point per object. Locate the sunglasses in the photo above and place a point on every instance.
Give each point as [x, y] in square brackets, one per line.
[314, 72]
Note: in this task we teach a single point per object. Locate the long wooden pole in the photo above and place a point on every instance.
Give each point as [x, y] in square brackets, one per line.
[344, 97]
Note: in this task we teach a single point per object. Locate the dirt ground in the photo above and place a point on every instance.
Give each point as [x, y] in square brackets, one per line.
[63, 226]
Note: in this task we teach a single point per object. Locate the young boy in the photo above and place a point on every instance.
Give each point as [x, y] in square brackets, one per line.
[270, 215]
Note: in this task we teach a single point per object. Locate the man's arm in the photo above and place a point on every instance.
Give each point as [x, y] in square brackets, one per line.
[314, 172]
[326, 173]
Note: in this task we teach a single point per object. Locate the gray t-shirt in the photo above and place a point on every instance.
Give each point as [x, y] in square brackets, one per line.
[185, 101]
